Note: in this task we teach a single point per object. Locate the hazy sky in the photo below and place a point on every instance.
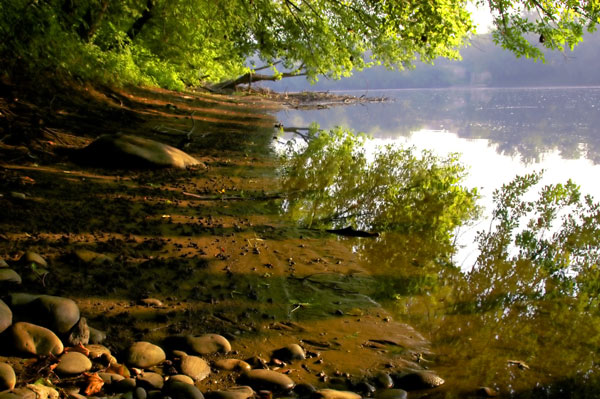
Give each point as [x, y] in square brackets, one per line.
[481, 17]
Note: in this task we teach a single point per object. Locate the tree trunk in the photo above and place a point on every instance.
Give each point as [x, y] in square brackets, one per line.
[251, 77]
[141, 21]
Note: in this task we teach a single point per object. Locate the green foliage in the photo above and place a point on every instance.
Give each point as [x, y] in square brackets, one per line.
[332, 182]
[178, 43]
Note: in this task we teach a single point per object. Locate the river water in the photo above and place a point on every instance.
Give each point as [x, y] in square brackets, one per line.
[488, 324]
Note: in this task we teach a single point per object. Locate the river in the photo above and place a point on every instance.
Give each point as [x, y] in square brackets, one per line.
[501, 324]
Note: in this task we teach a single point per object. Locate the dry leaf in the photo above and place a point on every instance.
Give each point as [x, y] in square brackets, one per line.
[93, 383]
[78, 348]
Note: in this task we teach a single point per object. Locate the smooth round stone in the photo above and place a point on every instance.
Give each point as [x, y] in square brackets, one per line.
[73, 363]
[3, 263]
[150, 381]
[335, 394]
[19, 393]
[304, 390]
[43, 392]
[181, 390]
[140, 393]
[194, 367]
[5, 316]
[9, 276]
[62, 313]
[232, 365]
[96, 336]
[110, 378]
[391, 394]
[208, 344]
[418, 380]
[144, 354]
[8, 379]
[35, 340]
[268, 379]
[97, 351]
[383, 380]
[181, 378]
[241, 392]
[33, 257]
[124, 385]
[290, 353]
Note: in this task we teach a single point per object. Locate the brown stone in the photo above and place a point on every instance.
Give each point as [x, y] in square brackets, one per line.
[35, 340]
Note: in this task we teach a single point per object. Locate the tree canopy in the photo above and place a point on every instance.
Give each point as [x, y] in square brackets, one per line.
[178, 43]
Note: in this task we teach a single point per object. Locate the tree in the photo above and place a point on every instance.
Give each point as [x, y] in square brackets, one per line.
[174, 43]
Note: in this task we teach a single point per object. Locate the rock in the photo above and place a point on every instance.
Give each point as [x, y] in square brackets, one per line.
[8, 379]
[383, 380]
[267, 379]
[193, 366]
[43, 392]
[92, 258]
[80, 333]
[96, 336]
[391, 394]
[241, 392]
[180, 390]
[144, 354]
[97, 351]
[417, 380]
[364, 388]
[5, 316]
[31, 257]
[305, 390]
[181, 378]
[73, 363]
[60, 314]
[290, 353]
[140, 393]
[150, 381]
[3, 263]
[35, 340]
[19, 393]
[121, 150]
[335, 394]
[124, 385]
[232, 365]
[9, 276]
[21, 298]
[152, 302]
[110, 378]
[208, 344]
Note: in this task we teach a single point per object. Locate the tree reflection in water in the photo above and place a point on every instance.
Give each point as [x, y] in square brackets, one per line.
[525, 320]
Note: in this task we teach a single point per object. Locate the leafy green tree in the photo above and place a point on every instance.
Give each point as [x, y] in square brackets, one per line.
[174, 43]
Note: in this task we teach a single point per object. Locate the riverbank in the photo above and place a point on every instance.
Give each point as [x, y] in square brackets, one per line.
[160, 254]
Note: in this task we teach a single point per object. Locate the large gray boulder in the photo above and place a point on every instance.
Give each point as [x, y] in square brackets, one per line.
[122, 150]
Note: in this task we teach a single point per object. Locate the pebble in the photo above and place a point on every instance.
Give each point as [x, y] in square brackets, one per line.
[35, 340]
[150, 381]
[43, 392]
[9, 276]
[73, 363]
[181, 390]
[417, 380]
[8, 379]
[144, 354]
[19, 393]
[97, 351]
[193, 366]
[391, 394]
[335, 394]
[140, 393]
[80, 333]
[61, 313]
[232, 365]
[91, 258]
[268, 379]
[208, 344]
[3, 263]
[290, 353]
[5, 316]
[304, 390]
[33, 257]
[241, 392]
[152, 302]
[124, 385]
[96, 336]
[181, 378]
[383, 380]
[110, 378]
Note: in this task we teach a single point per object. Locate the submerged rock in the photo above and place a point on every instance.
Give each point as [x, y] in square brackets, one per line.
[121, 150]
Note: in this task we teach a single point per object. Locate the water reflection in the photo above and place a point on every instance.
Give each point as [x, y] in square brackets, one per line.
[525, 121]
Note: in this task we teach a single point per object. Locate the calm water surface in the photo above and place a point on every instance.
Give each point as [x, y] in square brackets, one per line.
[486, 325]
